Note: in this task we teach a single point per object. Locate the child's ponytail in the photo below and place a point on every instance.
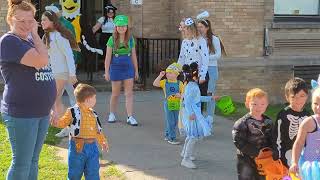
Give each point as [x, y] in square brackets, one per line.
[190, 71]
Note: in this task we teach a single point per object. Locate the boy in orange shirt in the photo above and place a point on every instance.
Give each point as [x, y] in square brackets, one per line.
[85, 134]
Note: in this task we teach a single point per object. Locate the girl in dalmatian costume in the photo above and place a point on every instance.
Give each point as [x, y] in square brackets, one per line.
[194, 48]
[308, 142]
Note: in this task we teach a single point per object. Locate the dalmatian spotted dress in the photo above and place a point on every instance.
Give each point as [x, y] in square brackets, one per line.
[195, 50]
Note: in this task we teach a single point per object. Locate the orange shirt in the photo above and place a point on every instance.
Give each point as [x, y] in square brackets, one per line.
[88, 125]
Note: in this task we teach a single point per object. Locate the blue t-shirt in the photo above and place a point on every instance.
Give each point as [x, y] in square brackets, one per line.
[28, 92]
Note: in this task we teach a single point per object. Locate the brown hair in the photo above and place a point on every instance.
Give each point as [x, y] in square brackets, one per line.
[209, 35]
[255, 92]
[116, 38]
[83, 92]
[61, 29]
[294, 86]
[14, 5]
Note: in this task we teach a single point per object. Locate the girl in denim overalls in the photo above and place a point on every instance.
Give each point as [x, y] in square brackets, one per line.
[172, 89]
[121, 66]
[308, 165]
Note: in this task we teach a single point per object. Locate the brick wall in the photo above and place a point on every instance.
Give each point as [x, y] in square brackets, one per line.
[3, 14]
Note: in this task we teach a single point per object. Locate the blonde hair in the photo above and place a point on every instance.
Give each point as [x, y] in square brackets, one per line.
[14, 5]
[253, 93]
[316, 93]
[83, 92]
[193, 29]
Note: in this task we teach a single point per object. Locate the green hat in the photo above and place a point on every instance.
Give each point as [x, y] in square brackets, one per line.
[121, 20]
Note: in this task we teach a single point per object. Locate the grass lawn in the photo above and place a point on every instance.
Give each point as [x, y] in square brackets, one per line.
[49, 167]
[272, 111]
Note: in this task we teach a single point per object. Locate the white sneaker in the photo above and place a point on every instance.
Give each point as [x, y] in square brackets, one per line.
[131, 121]
[173, 142]
[63, 133]
[188, 164]
[192, 158]
[112, 118]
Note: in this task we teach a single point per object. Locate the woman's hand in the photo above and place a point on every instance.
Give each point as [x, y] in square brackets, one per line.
[107, 76]
[136, 76]
[35, 26]
[73, 80]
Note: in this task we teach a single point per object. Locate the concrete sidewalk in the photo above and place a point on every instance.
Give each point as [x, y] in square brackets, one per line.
[141, 153]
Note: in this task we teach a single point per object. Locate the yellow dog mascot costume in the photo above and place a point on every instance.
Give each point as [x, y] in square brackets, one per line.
[71, 11]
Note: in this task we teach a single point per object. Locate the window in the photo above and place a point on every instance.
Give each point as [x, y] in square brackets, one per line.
[296, 7]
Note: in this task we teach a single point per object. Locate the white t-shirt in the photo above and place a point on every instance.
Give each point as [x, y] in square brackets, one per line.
[214, 57]
[107, 27]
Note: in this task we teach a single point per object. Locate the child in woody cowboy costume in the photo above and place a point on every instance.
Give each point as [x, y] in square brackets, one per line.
[173, 90]
[85, 134]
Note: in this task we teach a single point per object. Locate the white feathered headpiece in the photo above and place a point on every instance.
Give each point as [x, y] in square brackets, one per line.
[314, 83]
[203, 15]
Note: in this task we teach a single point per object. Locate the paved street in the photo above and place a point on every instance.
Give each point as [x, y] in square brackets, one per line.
[142, 153]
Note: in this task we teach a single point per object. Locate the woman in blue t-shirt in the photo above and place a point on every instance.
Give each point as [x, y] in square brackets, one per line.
[29, 91]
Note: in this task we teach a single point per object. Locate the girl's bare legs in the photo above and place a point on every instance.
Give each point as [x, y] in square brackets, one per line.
[128, 92]
[116, 87]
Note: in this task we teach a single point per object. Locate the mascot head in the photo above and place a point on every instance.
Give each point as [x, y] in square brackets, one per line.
[70, 8]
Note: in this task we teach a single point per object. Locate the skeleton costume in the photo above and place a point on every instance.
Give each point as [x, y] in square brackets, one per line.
[284, 133]
[250, 136]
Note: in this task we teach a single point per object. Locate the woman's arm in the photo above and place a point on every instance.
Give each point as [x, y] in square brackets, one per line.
[96, 27]
[107, 62]
[36, 57]
[135, 62]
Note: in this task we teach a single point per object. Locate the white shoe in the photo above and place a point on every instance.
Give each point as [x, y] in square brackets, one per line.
[173, 142]
[63, 133]
[112, 118]
[131, 121]
[192, 158]
[188, 164]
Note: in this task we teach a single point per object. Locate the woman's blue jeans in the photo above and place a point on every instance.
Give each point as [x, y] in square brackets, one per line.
[26, 136]
[213, 77]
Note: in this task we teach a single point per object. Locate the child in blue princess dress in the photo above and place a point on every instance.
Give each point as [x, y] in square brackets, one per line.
[196, 126]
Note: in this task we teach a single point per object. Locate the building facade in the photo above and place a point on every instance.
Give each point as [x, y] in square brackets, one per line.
[264, 39]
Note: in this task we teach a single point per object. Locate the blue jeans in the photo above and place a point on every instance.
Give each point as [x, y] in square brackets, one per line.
[26, 136]
[86, 162]
[213, 77]
[171, 122]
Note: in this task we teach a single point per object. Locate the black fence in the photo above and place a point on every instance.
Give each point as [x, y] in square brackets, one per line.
[152, 53]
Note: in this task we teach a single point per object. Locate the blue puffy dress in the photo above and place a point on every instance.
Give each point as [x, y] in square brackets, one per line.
[201, 126]
[309, 162]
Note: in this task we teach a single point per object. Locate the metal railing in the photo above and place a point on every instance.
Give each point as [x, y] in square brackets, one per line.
[152, 52]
